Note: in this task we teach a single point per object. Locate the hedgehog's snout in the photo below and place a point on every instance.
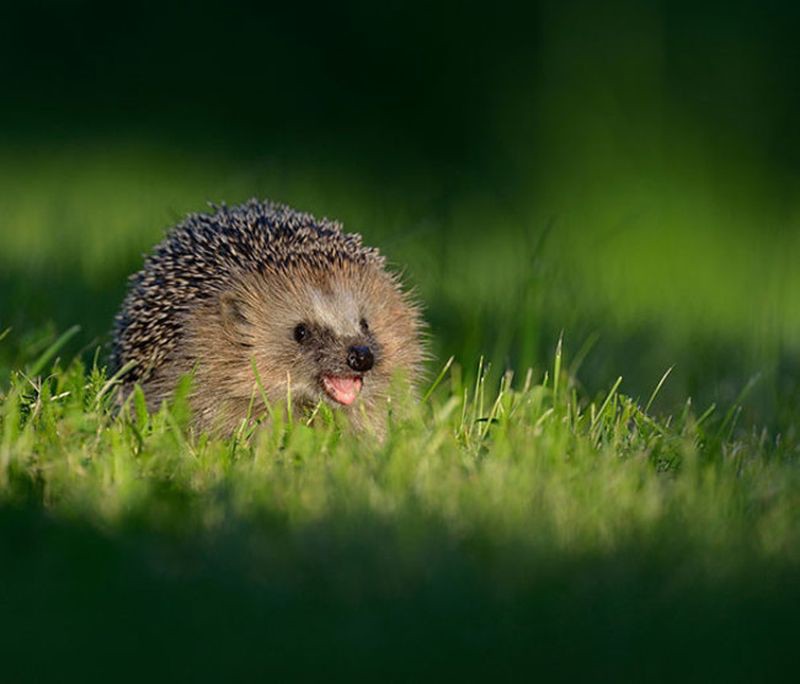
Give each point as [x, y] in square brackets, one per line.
[342, 386]
[360, 358]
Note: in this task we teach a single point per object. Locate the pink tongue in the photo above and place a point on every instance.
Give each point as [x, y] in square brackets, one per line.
[343, 390]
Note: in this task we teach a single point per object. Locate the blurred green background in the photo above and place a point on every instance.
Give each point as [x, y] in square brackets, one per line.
[626, 172]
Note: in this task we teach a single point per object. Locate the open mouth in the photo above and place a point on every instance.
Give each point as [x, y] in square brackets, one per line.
[342, 390]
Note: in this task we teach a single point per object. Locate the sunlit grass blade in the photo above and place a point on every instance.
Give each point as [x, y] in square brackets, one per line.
[114, 380]
[657, 389]
[609, 397]
[438, 379]
[557, 368]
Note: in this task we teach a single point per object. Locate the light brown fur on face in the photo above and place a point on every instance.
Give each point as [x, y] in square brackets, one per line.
[252, 324]
[240, 327]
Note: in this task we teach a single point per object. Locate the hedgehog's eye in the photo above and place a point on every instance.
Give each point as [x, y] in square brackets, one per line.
[300, 333]
[364, 325]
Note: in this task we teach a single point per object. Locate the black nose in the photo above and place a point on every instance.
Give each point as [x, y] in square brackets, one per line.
[360, 359]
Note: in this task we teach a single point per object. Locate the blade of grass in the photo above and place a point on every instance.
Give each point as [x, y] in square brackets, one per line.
[657, 389]
[114, 379]
[605, 404]
[52, 350]
[438, 379]
[557, 367]
[729, 421]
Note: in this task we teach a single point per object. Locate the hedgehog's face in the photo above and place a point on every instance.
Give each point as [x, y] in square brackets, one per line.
[339, 337]
[335, 352]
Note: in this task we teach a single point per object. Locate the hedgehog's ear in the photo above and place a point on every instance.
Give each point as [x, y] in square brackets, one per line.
[231, 312]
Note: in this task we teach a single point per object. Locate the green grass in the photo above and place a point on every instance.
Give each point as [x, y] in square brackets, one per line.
[560, 522]
[493, 533]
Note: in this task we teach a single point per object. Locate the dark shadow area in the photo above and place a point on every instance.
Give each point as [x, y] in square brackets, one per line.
[468, 90]
[262, 600]
[350, 76]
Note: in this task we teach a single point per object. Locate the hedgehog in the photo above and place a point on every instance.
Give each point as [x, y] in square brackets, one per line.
[261, 303]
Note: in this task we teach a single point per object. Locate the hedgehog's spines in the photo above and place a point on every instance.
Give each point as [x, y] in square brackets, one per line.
[199, 256]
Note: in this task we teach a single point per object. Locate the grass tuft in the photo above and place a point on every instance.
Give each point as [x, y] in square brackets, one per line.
[492, 514]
